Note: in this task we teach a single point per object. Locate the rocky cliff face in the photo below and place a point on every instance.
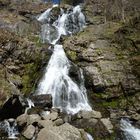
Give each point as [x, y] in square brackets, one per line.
[21, 54]
[108, 51]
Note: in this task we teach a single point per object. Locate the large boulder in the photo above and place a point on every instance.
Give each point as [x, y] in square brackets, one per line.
[29, 132]
[90, 114]
[63, 132]
[108, 124]
[34, 118]
[12, 108]
[52, 116]
[22, 121]
[42, 100]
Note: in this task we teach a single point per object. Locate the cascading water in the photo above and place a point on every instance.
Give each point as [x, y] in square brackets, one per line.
[10, 127]
[67, 95]
[30, 105]
[69, 22]
[89, 137]
[56, 81]
[130, 132]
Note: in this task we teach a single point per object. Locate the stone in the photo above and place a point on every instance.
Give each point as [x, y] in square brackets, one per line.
[108, 124]
[52, 116]
[29, 132]
[22, 120]
[46, 134]
[91, 114]
[58, 122]
[12, 108]
[33, 118]
[136, 116]
[69, 132]
[99, 131]
[63, 132]
[45, 123]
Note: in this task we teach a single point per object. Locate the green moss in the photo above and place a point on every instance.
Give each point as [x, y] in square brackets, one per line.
[112, 104]
[89, 130]
[72, 55]
[36, 40]
[29, 78]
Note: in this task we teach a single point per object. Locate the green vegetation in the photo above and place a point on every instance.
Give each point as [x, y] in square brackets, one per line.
[72, 55]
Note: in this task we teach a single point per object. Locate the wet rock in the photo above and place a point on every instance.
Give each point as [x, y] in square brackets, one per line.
[74, 73]
[42, 100]
[12, 108]
[54, 14]
[52, 116]
[29, 132]
[48, 37]
[108, 124]
[33, 118]
[138, 124]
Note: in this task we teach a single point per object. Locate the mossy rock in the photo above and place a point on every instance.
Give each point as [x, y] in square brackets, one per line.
[72, 55]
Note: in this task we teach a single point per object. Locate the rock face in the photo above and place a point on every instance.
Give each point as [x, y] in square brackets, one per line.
[21, 54]
[109, 52]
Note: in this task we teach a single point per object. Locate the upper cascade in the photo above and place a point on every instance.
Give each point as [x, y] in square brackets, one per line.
[56, 22]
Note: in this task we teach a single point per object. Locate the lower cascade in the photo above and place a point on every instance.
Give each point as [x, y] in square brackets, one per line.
[10, 127]
[67, 95]
[130, 132]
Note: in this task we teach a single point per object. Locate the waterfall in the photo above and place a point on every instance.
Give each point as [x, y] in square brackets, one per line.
[89, 137]
[66, 94]
[10, 126]
[30, 105]
[67, 23]
[130, 132]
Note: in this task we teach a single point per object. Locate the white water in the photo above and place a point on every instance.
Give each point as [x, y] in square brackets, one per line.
[44, 16]
[68, 22]
[66, 94]
[10, 126]
[131, 133]
[89, 137]
[30, 105]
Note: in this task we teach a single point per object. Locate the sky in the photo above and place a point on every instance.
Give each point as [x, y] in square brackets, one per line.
[56, 1]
